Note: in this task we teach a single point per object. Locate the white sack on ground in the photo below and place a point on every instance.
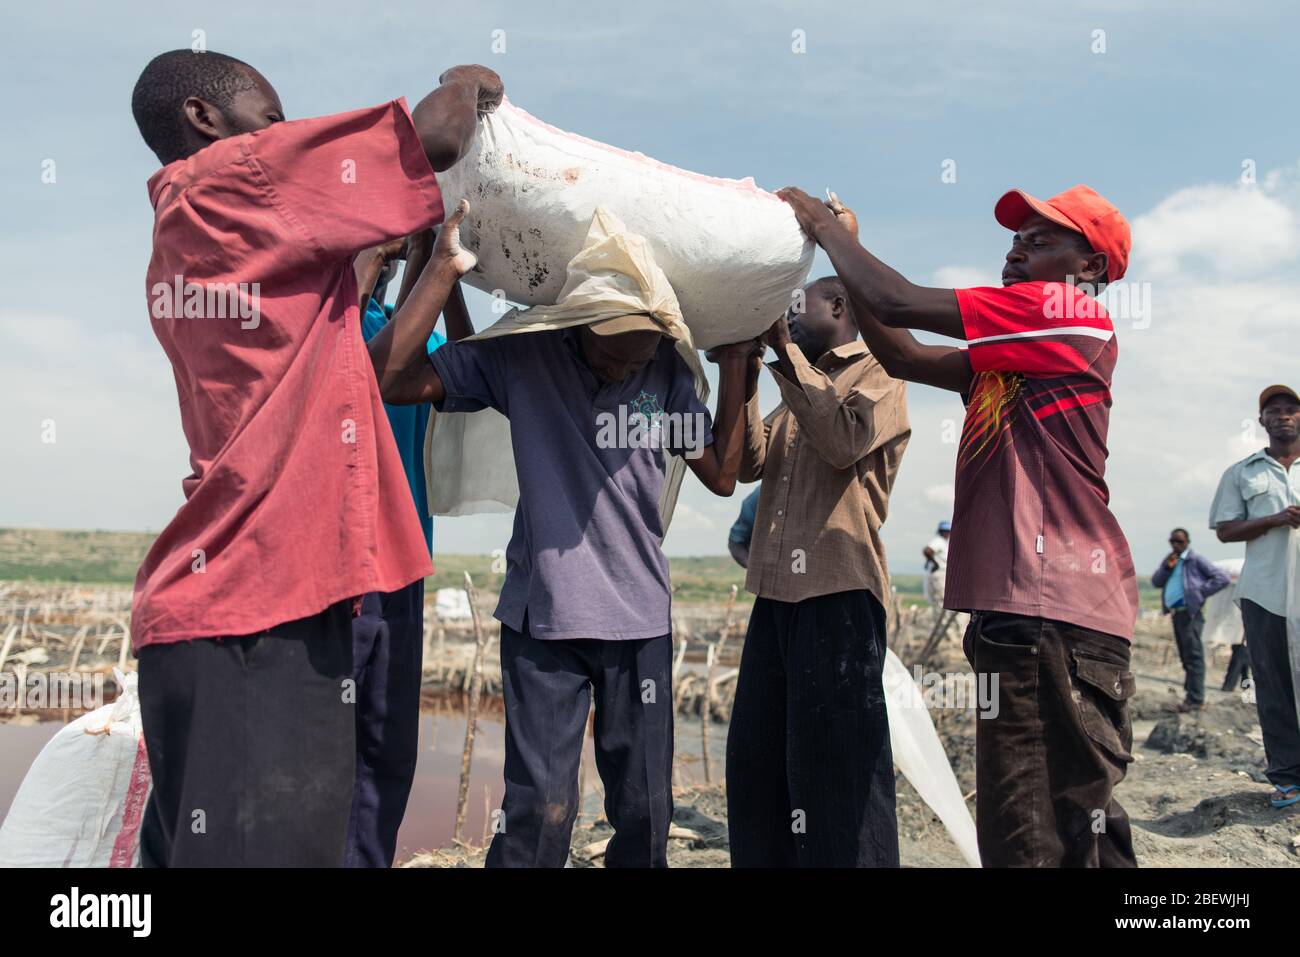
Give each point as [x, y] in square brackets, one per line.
[1222, 617]
[469, 460]
[733, 252]
[82, 802]
[919, 754]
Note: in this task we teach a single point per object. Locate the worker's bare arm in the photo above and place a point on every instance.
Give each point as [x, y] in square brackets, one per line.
[399, 352]
[419, 247]
[890, 297]
[369, 263]
[446, 119]
[456, 316]
[874, 288]
[718, 465]
[1249, 529]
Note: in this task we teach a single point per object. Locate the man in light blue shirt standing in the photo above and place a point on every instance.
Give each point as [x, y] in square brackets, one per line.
[1258, 502]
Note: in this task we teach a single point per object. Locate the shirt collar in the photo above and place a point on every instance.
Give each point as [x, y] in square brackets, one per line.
[841, 355]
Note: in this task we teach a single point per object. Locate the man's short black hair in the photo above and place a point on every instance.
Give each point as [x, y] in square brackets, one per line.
[171, 78]
[1186, 534]
[830, 287]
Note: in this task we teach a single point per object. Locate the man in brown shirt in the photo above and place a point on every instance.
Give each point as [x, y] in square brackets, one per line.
[810, 775]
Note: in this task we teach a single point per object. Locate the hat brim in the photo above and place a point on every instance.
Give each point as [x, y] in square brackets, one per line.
[1016, 206]
[635, 322]
[1273, 391]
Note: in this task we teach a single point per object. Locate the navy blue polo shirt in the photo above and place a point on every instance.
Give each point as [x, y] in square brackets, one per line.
[585, 558]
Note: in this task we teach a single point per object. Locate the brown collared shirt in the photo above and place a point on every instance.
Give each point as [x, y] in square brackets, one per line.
[828, 456]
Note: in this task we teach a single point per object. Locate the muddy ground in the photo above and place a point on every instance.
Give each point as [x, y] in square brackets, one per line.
[1195, 793]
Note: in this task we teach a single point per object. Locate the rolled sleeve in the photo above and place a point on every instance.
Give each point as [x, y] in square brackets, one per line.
[473, 374]
[841, 430]
[351, 180]
[1228, 504]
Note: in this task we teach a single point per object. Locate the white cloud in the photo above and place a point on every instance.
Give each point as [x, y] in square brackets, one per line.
[964, 277]
[1222, 229]
[941, 494]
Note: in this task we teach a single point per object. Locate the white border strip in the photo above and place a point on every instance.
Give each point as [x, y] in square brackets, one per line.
[1105, 335]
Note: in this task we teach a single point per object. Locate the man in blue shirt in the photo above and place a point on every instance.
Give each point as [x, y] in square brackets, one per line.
[1187, 579]
[742, 529]
[388, 635]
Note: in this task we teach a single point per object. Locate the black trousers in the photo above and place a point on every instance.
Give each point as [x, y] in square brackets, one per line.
[1049, 754]
[810, 773]
[549, 687]
[1274, 692]
[251, 747]
[388, 651]
[1191, 652]
[1238, 668]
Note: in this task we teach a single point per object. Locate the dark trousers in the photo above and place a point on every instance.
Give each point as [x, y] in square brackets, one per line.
[1238, 668]
[549, 688]
[1058, 740]
[388, 653]
[251, 747]
[1274, 692]
[810, 773]
[1191, 652]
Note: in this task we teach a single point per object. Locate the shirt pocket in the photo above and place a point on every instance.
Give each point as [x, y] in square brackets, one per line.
[1254, 492]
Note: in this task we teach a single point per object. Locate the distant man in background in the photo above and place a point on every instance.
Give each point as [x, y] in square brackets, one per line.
[810, 774]
[936, 566]
[1258, 502]
[1186, 579]
[742, 529]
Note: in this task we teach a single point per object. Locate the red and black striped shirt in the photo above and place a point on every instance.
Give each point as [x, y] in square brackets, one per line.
[1032, 530]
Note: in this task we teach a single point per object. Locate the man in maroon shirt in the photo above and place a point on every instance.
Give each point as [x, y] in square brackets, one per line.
[296, 502]
[1036, 555]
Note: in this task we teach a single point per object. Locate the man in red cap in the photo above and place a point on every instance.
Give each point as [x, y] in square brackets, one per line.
[1035, 556]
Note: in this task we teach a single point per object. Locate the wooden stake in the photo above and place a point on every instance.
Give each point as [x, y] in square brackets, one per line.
[8, 643]
[471, 719]
[705, 716]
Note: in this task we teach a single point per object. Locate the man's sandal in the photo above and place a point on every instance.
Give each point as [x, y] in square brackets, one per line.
[1285, 796]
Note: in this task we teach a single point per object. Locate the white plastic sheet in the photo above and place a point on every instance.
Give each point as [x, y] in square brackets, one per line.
[82, 802]
[1222, 616]
[919, 754]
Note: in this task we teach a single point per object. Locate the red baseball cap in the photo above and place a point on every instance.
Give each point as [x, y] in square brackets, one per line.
[1078, 208]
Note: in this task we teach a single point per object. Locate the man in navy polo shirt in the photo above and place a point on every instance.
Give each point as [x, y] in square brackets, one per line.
[585, 608]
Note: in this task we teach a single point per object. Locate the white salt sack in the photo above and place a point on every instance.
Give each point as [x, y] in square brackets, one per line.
[733, 253]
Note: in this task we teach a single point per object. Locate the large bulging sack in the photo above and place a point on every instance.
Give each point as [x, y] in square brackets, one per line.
[83, 801]
[733, 253]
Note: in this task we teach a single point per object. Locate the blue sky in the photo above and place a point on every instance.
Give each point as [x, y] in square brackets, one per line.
[1161, 123]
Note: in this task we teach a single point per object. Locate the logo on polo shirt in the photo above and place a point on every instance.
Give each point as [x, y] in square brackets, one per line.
[643, 424]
